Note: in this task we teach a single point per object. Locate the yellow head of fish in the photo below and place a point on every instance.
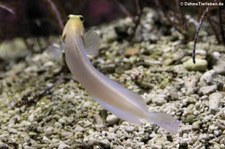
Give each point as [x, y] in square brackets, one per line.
[74, 24]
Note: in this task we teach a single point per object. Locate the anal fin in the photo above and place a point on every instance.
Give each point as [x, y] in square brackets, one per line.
[119, 112]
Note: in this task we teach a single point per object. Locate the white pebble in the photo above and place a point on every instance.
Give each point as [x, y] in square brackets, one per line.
[207, 77]
[199, 65]
[159, 99]
[112, 119]
[62, 145]
[205, 90]
[214, 100]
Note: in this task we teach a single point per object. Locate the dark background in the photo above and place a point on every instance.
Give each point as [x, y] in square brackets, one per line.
[26, 18]
[34, 18]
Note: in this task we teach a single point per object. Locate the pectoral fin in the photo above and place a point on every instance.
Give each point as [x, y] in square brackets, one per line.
[55, 51]
[91, 43]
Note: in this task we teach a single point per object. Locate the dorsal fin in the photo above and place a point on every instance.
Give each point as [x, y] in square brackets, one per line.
[91, 43]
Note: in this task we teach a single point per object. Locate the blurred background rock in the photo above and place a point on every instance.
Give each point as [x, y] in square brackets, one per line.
[26, 18]
[41, 18]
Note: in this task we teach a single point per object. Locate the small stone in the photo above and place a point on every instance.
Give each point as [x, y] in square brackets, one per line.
[216, 132]
[78, 128]
[46, 139]
[183, 145]
[144, 84]
[13, 49]
[159, 99]
[173, 93]
[62, 145]
[104, 143]
[200, 65]
[129, 128]
[110, 36]
[131, 51]
[164, 83]
[207, 77]
[27, 147]
[205, 90]
[191, 83]
[223, 114]
[214, 100]
[31, 117]
[3, 146]
[99, 121]
[86, 105]
[49, 130]
[109, 68]
[219, 67]
[189, 119]
[85, 123]
[112, 119]
[62, 120]
[196, 125]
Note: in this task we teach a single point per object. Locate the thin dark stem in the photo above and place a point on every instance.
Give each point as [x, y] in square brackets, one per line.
[166, 14]
[180, 15]
[137, 18]
[57, 13]
[138, 7]
[124, 9]
[221, 25]
[197, 31]
[214, 29]
[29, 100]
[139, 11]
[7, 8]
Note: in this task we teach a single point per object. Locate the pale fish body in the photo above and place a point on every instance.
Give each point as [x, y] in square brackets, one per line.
[111, 95]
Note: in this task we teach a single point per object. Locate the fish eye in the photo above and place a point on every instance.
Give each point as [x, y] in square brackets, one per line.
[82, 18]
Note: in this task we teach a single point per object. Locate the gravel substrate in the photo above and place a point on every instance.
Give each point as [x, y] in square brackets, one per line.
[42, 106]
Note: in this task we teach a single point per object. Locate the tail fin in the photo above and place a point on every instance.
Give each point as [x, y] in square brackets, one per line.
[165, 121]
